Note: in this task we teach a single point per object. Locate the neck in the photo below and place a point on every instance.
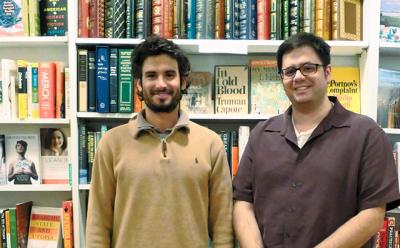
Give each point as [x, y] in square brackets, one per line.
[163, 120]
[307, 117]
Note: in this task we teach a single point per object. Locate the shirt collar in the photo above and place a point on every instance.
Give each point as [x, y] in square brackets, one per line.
[138, 123]
[337, 117]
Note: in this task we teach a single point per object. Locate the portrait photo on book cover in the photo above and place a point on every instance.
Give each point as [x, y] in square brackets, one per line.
[22, 156]
[53, 142]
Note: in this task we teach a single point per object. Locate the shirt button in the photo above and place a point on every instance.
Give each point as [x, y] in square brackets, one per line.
[295, 185]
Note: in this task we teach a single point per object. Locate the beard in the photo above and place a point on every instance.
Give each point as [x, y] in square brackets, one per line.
[162, 107]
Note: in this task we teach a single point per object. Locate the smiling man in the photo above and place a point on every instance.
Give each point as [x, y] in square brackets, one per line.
[161, 180]
[317, 175]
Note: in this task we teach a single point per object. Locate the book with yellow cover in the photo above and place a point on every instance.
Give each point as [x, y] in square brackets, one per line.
[345, 85]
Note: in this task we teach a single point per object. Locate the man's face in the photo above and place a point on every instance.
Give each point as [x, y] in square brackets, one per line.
[305, 89]
[160, 83]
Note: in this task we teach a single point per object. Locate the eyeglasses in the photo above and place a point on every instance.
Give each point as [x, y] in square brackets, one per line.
[306, 69]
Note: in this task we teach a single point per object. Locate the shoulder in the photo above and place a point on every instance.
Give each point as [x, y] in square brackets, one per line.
[201, 131]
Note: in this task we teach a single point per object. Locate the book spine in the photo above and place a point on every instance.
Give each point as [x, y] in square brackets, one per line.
[307, 14]
[25, 17]
[139, 19]
[157, 17]
[285, 19]
[91, 81]
[273, 18]
[102, 79]
[34, 18]
[191, 19]
[91, 150]
[294, 17]
[119, 19]
[219, 19]
[319, 17]
[3, 228]
[22, 89]
[335, 16]
[47, 78]
[83, 160]
[67, 224]
[108, 18]
[83, 29]
[128, 18]
[168, 19]
[60, 90]
[113, 80]
[54, 17]
[35, 90]
[82, 80]
[67, 94]
[125, 81]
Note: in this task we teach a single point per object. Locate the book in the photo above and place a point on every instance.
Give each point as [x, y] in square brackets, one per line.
[45, 228]
[347, 19]
[267, 93]
[11, 23]
[53, 17]
[345, 85]
[3, 169]
[231, 89]
[197, 100]
[83, 77]
[390, 21]
[23, 214]
[102, 79]
[54, 155]
[47, 90]
[67, 224]
[22, 158]
[125, 81]
[388, 109]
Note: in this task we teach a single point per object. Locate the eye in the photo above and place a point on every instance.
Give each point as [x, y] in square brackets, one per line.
[307, 68]
[170, 75]
[289, 71]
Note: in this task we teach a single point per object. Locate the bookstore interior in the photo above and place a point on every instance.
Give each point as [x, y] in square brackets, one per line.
[66, 78]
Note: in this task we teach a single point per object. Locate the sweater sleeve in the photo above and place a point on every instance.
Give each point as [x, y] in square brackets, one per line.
[99, 226]
[220, 216]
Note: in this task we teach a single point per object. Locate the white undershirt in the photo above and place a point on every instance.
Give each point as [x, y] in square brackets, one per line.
[302, 137]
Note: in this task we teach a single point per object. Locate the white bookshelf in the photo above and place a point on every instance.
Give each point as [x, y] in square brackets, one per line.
[203, 55]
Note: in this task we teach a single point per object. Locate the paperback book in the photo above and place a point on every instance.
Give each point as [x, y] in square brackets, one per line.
[198, 97]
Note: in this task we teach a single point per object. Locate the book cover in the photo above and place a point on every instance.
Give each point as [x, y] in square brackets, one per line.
[45, 228]
[11, 18]
[231, 89]
[54, 155]
[198, 97]
[53, 17]
[22, 158]
[3, 169]
[388, 98]
[267, 93]
[83, 77]
[23, 214]
[345, 85]
[125, 81]
[22, 89]
[347, 20]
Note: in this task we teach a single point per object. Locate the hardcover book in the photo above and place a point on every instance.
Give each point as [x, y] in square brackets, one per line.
[23, 214]
[347, 20]
[54, 156]
[267, 93]
[231, 89]
[198, 97]
[345, 85]
[22, 158]
[45, 228]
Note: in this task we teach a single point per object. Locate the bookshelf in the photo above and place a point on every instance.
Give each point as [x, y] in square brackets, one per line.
[368, 54]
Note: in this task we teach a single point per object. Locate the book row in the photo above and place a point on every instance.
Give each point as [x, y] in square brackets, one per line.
[388, 113]
[220, 19]
[31, 90]
[30, 159]
[33, 18]
[28, 226]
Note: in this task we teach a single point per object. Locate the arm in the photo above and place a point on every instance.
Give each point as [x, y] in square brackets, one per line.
[356, 231]
[220, 194]
[100, 213]
[245, 225]
[33, 172]
[11, 174]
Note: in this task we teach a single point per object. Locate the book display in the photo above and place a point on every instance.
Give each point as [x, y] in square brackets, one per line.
[78, 80]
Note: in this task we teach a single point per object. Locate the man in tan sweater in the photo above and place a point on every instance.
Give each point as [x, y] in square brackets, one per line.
[160, 180]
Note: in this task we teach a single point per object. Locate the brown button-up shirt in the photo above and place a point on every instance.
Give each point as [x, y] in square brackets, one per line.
[301, 196]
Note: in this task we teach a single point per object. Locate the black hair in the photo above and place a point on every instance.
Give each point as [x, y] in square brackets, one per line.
[49, 137]
[153, 46]
[23, 143]
[321, 48]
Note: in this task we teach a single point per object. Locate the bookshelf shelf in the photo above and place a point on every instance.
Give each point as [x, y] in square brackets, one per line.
[392, 130]
[36, 121]
[95, 115]
[389, 48]
[40, 187]
[84, 186]
[39, 41]
[230, 46]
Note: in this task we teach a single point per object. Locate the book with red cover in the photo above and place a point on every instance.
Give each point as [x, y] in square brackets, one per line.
[23, 212]
[47, 90]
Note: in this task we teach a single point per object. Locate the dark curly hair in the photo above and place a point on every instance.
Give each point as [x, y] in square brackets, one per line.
[153, 46]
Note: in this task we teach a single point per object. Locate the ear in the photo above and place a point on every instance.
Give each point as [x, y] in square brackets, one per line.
[328, 72]
[184, 83]
[139, 84]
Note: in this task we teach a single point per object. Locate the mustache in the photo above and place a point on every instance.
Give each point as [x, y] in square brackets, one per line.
[168, 91]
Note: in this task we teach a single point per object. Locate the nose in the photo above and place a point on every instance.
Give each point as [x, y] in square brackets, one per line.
[161, 82]
[298, 75]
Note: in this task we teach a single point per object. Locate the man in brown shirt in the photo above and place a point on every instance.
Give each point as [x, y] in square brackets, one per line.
[317, 175]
